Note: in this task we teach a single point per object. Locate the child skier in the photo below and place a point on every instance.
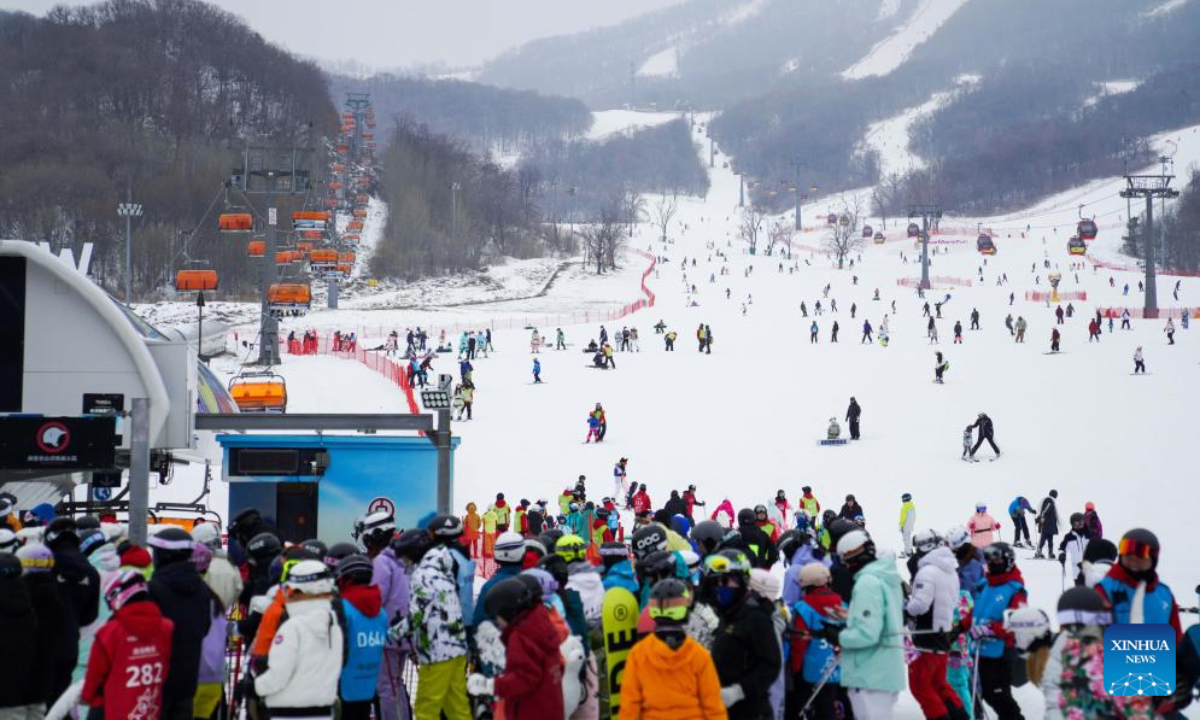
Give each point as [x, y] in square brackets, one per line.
[1072, 547]
[968, 441]
[593, 428]
[537, 370]
[812, 659]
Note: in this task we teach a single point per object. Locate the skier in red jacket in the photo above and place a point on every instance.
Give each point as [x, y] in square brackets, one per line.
[641, 501]
[131, 653]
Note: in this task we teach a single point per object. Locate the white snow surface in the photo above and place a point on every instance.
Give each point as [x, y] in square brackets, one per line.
[1112, 87]
[743, 422]
[891, 52]
[609, 122]
[890, 137]
[661, 64]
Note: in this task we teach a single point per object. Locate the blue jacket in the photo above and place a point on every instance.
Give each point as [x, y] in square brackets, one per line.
[1157, 608]
[503, 572]
[1018, 505]
[621, 575]
[365, 638]
[989, 608]
[971, 577]
[820, 653]
[537, 366]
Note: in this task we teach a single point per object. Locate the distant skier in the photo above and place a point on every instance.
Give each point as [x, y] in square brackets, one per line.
[958, 332]
[560, 342]
[833, 332]
[940, 367]
[866, 338]
[852, 415]
[1047, 524]
[1170, 331]
[908, 522]
[986, 431]
[1125, 319]
[1008, 323]
[982, 526]
[968, 440]
[931, 331]
[1021, 326]
[974, 319]
[1139, 363]
[812, 333]
[1016, 512]
[1055, 337]
[537, 370]
[669, 339]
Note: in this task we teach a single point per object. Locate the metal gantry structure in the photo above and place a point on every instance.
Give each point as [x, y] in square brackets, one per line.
[1149, 187]
[926, 213]
[129, 210]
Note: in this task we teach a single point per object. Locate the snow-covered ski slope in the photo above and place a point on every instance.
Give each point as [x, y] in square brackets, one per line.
[743, 422]
[891, 52]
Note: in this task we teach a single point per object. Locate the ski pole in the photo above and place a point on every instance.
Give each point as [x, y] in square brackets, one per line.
[830, 667]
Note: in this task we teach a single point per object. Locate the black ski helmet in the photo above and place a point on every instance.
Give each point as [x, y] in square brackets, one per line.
[1140, 542]
[655, 566]
[508, 598]
[412, 545]
[999, 558]
[171, 545]
[317, 547]
[446, 528]
[837, 528]
[356, 569]
[557, 567]
[612, 553]
[1076, 519]
[263, 547]
[337, 553]
[707, 535]
[1083, 606]
[61, 527]
[550, 538]
[648, 539]
[1100, 550]
[789, 542]
[746, 517]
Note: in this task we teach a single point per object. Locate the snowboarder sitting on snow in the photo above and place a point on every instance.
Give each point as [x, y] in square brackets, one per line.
[835, 430]
[592, 347]
[598, 361]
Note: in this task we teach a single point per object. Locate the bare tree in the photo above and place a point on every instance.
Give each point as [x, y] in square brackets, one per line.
[751, 225]
[780, 234]
[604, 238]
[844, 238]
[664, 213]
[635, 208]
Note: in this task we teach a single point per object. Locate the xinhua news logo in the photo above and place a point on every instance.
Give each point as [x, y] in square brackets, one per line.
[1139, 660]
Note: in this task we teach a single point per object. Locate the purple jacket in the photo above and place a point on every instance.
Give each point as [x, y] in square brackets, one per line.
[394, 584]
[212, 650]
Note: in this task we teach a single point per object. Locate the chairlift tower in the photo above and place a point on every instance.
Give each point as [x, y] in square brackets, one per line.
[926, 213]
[1150, 187]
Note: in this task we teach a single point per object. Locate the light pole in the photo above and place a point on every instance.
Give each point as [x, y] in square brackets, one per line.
[129, 210]
[454, 188]
[440, 401]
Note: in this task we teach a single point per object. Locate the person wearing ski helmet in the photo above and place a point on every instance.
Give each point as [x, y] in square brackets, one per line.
[823, 535]
[366, 626]
[1047, 525]
[261, 551]
[1016, 512]
[306, 658]
[1133, 588]
[618, 569]
[18, 626]
[811, 507]
[970, 560]
[668, 674]
[761, 550]
[1072, 547]
[186, 601]
[797, 550]
[135, 642]
[648, 539]
[375, 533]
[1005, 591]
[509, 553]
[763, 519]
[222, 577]
[746, 648]
[811, 657]
[982, 526]
[80, 581]
[1091, 521]
[584, 578]
[245, 526]
[872, 660]
[531, 684]
[706, 537]
[908, 522]
[851, 509]
[1098, 558]
[438, 624]
[843, 575]
[931, 610]
[1076, 665]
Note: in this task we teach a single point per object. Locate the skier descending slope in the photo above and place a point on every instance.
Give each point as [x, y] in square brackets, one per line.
[986, 432]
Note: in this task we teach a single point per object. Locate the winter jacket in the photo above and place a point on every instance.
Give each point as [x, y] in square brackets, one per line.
[621, 575]
[984, 423]
[1048, 520]
[746, 653]
[854, 411]
[391, 577]
[19, 628]
[1004, 591]
[804, 555]
[1073, 545]
[872, 656]
[502, 509]
[811, 507]
[1138, 602]
[908, 515]
[306, 658]
[1092, 522]
[849, 513]
[53, 654]
[762, 552]
[982, 527]
[676, 506]
[664, 684]
[212, 650]
[1081, 670]
[81, 587]
[585, 579]
[971, 576]
[934, 595]
[130, 662]
[104, 558]
[641, 502]
[810, 655]
[366, 635]
[435, 611]
[503, 572]
[223, 579]
[186, 601]
[1019, 505]
[531, 684]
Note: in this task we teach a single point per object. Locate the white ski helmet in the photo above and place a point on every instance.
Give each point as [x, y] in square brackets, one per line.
[207, 535]
[957, 537]
[509, 548]
[813, 574]
[377, 524]
[9, 542]
[853, 544]
[310, 577]
[1027, 624]
[926, 540]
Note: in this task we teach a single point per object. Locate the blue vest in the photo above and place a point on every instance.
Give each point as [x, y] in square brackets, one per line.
[365, 638]
[989, 607]
[1157, 607]
[820, 652]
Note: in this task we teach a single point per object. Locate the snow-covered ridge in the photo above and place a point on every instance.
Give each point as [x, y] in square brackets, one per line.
[890, 137]
[1166, 8]
[891, 52]
[665, 63]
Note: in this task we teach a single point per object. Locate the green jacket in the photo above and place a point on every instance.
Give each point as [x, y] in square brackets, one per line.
[872, 643]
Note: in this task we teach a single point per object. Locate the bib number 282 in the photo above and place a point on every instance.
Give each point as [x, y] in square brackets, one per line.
[141, 675]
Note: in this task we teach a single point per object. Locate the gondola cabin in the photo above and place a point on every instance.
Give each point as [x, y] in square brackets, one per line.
[236, 222]
[259, 392]
[346, 258]
[354, 225]
[1076, 246]
[868, 231]
[288, 257]
[985, 245]
[195, 280]
[256, 248]
[879, 238]
[831, 219]
[914, 230]
[844, 221]
[1087, 229]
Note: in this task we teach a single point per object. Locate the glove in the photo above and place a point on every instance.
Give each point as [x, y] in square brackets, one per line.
[830, 633]
[979, 632]
[480, 685]
[732, 695]
[1062, 558]
[258, 665]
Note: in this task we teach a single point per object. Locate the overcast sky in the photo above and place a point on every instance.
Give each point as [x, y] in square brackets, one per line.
[390, 33]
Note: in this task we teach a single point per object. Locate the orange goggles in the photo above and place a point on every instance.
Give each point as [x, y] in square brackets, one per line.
[1135, 547]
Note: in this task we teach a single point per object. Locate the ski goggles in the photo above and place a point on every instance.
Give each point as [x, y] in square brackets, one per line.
[1136, 548]
[670, 612]
[721, 565]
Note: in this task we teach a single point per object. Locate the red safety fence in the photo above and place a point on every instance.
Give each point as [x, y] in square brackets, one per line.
[1161, 313]
[1134, 269]
[1039, 296]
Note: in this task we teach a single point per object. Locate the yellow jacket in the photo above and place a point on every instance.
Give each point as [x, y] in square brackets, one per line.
[907, 510]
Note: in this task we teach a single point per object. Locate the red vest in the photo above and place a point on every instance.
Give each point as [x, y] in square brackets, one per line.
[129, 663]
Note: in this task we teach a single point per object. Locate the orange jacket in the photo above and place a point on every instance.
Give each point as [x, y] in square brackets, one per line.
[269, 625]
[664, 684]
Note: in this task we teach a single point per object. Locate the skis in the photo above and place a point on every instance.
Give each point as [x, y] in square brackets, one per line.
[619, 615]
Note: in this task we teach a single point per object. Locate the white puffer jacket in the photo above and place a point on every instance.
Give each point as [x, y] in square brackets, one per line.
[935, 588]
[224, 579]
[305, 661]
[585, 580]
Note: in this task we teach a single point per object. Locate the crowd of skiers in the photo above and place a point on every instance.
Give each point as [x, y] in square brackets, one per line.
[681, 618]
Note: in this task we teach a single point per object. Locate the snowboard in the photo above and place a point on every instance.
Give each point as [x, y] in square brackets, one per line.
[619, 618]
[1060, 352]
[827, 441]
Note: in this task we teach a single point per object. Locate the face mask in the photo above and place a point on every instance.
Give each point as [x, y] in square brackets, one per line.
[727, 596]
[672, 636]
